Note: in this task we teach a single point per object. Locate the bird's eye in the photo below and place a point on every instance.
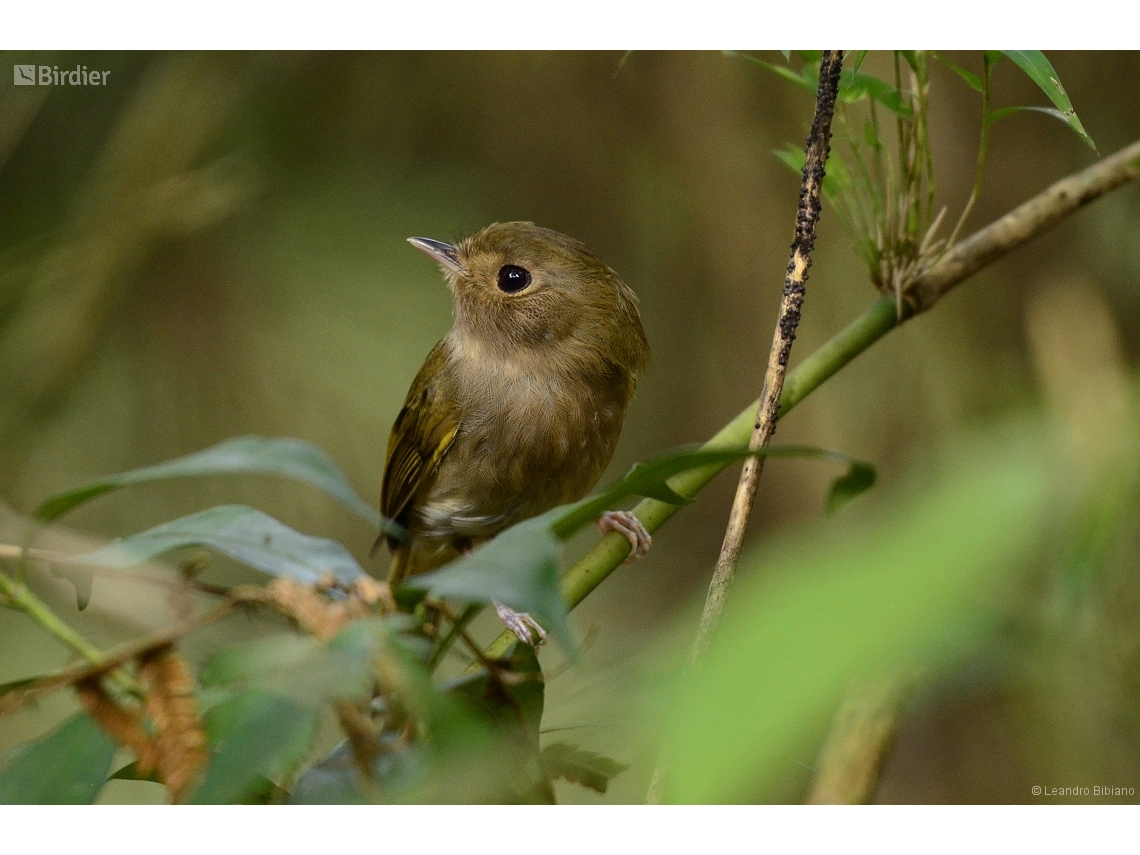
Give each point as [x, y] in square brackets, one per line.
[513, 278]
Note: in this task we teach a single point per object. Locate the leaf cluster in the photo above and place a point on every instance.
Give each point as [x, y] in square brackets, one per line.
[244, 729]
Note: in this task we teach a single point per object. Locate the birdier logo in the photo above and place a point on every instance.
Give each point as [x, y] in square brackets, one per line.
[52, 75]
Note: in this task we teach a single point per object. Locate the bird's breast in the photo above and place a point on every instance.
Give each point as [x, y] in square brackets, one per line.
[528, 440]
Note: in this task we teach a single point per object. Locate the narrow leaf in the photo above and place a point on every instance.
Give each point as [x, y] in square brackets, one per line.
[644, 478]
[972, 80]
[292, 458]
[66, 767]
[800, 79]
[1009, 111]
[579, 766]
[1040, 71]
[243, 533]
[836, 178]
[856, 86]
[859, 479]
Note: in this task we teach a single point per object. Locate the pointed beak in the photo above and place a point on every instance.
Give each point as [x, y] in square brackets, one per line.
[442, 253]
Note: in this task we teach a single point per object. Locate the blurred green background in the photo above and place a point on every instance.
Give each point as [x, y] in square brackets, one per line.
[214, 245]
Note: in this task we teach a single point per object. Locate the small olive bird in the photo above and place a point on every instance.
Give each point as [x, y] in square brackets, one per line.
[518, 409]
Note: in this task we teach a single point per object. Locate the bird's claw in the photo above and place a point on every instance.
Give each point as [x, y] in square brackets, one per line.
[631, 528]
[521, 624]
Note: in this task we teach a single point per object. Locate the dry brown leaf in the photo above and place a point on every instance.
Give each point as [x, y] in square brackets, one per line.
[123, 725]
[313, 612]
[173, 709]
[375, 593]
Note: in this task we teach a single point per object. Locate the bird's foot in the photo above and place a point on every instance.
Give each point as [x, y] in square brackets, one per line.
[522, 625]
[631, 528]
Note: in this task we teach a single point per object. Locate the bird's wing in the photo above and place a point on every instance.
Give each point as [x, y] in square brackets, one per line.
[421, 436]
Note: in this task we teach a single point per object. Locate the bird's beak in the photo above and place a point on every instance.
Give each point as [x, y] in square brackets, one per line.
[438, 251]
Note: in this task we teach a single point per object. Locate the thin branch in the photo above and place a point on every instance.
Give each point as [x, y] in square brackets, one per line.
[983, 247]
[861, 737]
[18, 596]
[818, 146]
[112, 659]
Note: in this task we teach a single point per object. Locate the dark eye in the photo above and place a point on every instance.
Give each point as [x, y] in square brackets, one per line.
[513, 278]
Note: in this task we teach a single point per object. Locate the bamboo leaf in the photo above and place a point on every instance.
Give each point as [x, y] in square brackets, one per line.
[972, 80]
[803, 79]
[66, 767]
[855, 86]
[1040, 71]
[836, 178]
[243, 533]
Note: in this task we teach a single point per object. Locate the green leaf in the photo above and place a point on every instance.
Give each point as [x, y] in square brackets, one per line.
[855, 87]
[66, 767]
[651, 478]
[1040, 71]
[837, 604]
[799, 78]
[910, 57]
[22, 683]
[245, 664]
[1008, 111]
[304, 670]
[579, 766]
[857, 63]
[519, 569]
[130, 772]
[262, 791]
[859, 479]
[836, 178]
[254, 736]
[243, 533]
[972, 80]
[507, 704]
[292, 458]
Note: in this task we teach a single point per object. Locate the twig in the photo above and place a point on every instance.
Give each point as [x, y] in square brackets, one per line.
[458, 625]
[983, 247]
[862, 735]
[818, 146]
[112, 659]
[17, 595]
[807, 214]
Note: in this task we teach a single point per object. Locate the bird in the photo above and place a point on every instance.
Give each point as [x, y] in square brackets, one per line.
[519, 407]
